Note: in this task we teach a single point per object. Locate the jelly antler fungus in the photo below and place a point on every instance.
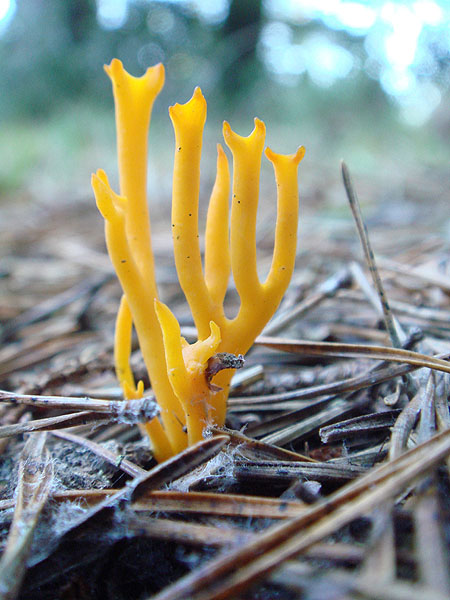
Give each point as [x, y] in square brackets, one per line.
[186, 366]
[178, 371]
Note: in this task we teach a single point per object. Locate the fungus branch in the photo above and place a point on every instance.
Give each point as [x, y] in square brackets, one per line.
[128, 238]
[180, 373]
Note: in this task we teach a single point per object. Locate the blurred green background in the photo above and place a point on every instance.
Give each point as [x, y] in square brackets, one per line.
[364, 80]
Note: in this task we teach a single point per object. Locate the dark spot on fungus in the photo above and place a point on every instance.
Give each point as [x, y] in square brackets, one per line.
[123, 261]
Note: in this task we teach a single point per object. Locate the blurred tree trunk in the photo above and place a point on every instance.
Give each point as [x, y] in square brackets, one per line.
[241, 30]
[80, 16]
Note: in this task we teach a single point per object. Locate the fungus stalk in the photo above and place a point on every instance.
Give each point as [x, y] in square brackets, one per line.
[128, 238]
[177, 370]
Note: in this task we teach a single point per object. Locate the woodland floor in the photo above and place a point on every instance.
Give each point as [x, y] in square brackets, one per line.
[332, 480]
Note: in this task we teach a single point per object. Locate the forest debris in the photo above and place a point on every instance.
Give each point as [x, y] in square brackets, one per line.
[124, 411]
[392, 326]
[33, 488]
[156, 477]
[234, 571]
[46, 308]
[117, 461]
[363, 425]
[355, 351]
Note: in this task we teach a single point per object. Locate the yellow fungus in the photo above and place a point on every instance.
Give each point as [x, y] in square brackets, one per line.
[186, 366]
[178, 370]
